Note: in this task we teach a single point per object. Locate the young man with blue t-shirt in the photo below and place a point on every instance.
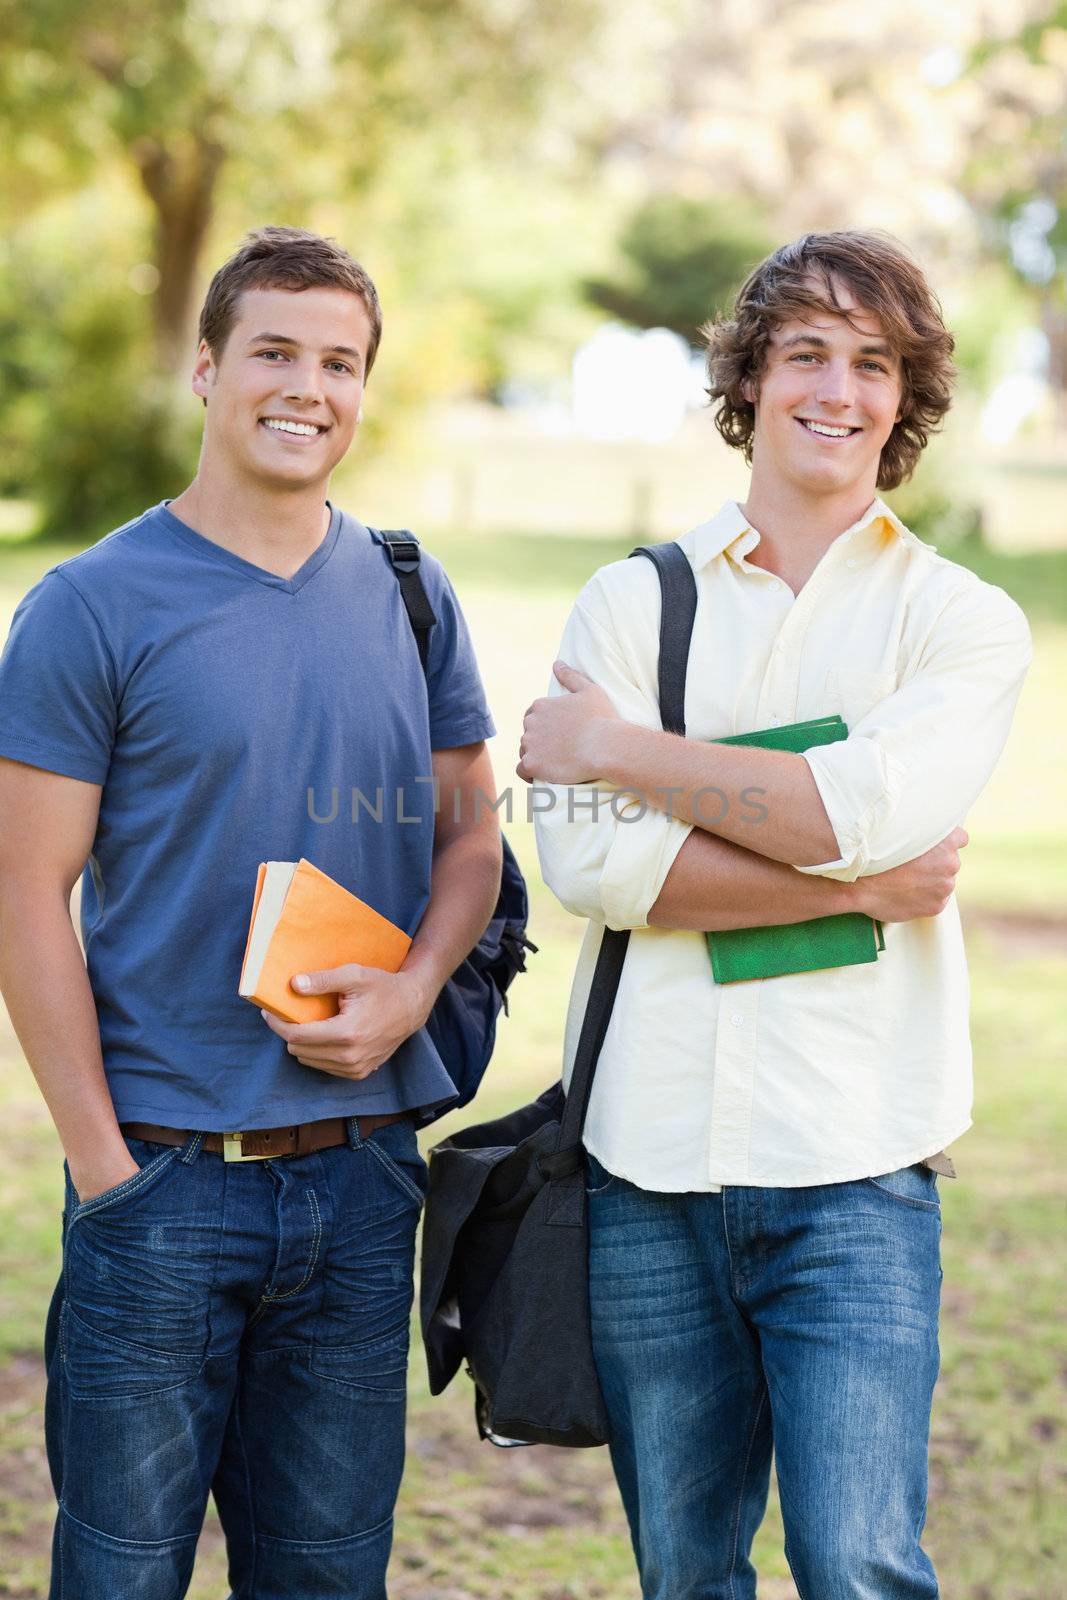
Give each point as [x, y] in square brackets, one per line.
[177, 704]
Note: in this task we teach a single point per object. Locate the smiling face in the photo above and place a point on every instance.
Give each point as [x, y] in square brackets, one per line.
[284, 395]
[827, 400]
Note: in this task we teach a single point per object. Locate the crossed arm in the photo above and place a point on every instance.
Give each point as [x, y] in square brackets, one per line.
[723, 872]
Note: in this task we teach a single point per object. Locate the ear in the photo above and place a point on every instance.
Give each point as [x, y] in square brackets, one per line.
[749, 391]
[203, 370]
[359, 415]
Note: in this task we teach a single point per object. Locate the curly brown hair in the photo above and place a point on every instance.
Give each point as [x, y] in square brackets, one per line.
[285, 258]
[800, 278]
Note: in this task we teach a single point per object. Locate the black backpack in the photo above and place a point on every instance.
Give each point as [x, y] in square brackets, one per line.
[505, 1244]
[462, 1023]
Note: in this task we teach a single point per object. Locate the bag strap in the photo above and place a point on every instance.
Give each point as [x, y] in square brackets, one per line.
[679, 594]
[404, 554]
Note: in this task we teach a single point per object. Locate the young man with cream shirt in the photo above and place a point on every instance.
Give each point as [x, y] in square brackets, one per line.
[764, 1213]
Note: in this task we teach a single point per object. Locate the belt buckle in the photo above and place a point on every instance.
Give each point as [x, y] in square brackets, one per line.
[231, 1149]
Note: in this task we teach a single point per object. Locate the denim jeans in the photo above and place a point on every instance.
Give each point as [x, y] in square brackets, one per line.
[241, 1329]
[803, 1318]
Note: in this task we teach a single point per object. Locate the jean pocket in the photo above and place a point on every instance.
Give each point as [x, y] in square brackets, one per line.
[376, 1367]
[598, 1180]
[396, 1149]
[135, 1184]
[911, 1186]
[102, 1366]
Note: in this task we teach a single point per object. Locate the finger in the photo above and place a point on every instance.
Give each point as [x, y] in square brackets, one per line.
[276, 1025]
[522, 771]
[339, 1069]
[330, 1031]
[332, 980]
[570, 677]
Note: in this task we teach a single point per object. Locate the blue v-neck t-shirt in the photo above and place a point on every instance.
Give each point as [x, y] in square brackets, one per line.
[232, 716]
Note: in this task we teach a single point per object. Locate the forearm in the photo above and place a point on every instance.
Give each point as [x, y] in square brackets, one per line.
[46, 989]
[764, 800]
[715, 885]
[464, 887]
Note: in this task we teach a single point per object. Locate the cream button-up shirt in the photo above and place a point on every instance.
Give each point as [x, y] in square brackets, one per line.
[814, 1077]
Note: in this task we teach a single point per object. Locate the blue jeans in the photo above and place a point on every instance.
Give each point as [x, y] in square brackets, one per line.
[803, 1318]
[240, 1329]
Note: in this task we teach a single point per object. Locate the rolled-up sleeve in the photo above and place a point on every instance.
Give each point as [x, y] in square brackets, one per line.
[604, 854]
[913, 766]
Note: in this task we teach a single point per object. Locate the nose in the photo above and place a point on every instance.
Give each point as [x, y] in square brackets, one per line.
[836, 384]
[303, 380]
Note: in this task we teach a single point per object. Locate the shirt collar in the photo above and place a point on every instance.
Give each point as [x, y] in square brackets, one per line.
[729, 531]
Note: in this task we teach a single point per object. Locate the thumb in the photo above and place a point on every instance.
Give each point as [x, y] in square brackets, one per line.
[332, 980]
[570, 677]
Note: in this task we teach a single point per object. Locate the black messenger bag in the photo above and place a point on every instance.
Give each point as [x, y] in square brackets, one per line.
[505, 1248]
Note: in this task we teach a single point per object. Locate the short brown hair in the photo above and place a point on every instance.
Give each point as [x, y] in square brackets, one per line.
[285, 258]
[886, 282]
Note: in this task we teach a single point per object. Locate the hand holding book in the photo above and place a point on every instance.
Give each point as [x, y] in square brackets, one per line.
[303, 921]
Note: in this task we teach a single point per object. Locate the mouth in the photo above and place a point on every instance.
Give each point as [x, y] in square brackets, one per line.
[831, 432]
[293, 431]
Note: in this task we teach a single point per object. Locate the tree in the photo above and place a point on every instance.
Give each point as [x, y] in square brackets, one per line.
[683, 260]
[267, 111]
[184, 89]
[1017, 175]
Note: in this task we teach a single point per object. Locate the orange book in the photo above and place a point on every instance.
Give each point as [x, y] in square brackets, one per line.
[302, 921]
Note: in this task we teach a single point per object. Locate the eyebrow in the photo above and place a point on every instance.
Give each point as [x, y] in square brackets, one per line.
[824, 344]
[283, 338]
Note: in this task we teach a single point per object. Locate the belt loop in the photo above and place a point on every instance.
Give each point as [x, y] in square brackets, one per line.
[191, 1148]
[352, 1124]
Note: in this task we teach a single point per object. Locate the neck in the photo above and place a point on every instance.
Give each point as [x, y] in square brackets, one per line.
[796, 529]
[274, 528]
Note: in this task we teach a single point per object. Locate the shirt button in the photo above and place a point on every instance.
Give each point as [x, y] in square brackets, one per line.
[845, 537]
[737, 1019]
[851, 562]
[781, 644]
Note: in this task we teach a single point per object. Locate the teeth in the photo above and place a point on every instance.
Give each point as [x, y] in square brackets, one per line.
[827, 428]
[290, 427]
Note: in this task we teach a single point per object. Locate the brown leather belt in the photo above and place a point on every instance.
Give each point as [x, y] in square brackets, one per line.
[263, 1144]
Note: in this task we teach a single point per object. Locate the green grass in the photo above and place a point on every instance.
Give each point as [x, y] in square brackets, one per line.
[546, 1525]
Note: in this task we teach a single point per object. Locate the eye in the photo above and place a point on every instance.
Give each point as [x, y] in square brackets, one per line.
[804, 355]
[267, 354]
[341, 366]
[876, 366]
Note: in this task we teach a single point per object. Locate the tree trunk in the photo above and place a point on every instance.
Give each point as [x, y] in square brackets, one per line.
[179, 178]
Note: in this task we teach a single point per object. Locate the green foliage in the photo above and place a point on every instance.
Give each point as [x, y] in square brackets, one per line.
[93, 431]
[682, 261]
[112, 443]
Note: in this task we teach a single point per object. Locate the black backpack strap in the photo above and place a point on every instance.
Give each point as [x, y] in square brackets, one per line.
[404, 553]
[675, 629]
[679, 592]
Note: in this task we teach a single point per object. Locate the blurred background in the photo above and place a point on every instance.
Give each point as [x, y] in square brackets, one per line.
[553, 196]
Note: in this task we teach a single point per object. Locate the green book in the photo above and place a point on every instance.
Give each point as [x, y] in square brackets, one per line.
[841, 941]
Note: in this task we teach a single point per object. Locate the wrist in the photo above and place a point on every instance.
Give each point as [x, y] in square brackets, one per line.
[94, 1175]
[605, 749]
[854, 896]
[422, 988]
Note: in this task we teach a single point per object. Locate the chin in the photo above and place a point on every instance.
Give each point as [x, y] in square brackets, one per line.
[828, 478]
